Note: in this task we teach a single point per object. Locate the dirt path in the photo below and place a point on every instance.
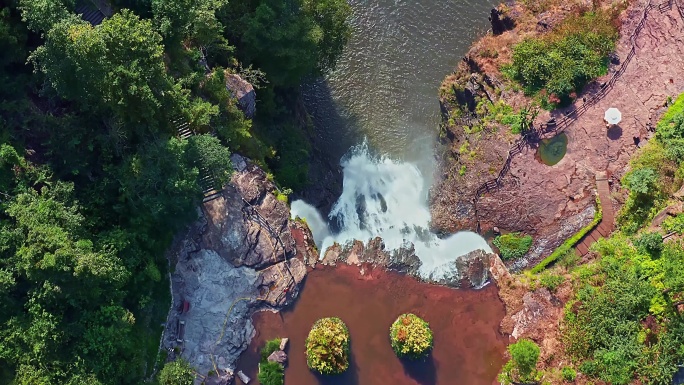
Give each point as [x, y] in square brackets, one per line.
[552, 203]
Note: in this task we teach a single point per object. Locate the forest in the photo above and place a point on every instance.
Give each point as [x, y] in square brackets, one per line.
[94, 180]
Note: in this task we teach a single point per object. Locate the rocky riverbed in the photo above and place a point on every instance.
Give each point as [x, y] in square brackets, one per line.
[244, 254]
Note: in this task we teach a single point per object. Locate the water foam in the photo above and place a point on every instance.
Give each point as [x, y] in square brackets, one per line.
[382, 197]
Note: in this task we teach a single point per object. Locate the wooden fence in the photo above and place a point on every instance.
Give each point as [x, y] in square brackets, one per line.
[558, 125]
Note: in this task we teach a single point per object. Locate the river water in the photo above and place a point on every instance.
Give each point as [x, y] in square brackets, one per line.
[377, 115]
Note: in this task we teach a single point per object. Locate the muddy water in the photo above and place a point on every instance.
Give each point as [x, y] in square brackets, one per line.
[468, 348]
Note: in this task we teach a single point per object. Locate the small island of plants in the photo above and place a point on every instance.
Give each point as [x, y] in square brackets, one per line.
[327, 346]
[411, 336]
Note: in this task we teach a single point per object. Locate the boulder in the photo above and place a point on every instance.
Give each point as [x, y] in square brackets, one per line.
[283, 343]
[278, 356]
[243, 91]
[243, 377]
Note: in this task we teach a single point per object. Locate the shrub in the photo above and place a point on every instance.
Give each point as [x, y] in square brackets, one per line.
[562, 62]
[650, 243]
[411, 336]
[176, 372]
[523, 363]
[271, 373]
[513, 245]
[327, 346]
[551, 281]
[568, 373]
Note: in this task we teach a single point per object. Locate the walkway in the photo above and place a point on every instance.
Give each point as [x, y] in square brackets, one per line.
[607, 224]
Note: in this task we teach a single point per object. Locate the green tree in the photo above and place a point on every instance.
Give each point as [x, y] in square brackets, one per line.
[117, 67]
[42, 15]
[176, 372]
[522, 366]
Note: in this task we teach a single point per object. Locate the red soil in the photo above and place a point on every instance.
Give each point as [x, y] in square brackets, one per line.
[468, 348]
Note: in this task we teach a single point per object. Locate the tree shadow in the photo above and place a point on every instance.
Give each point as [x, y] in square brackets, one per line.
[614, 132]
[424, 371]
[334, 133]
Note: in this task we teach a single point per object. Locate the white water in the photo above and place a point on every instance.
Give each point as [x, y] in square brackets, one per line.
[381, 197]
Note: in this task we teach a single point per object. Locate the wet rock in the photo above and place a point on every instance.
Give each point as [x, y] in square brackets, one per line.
[278, 356]
[283, 343]
[249, 226]
[243, 91]
[405, 261]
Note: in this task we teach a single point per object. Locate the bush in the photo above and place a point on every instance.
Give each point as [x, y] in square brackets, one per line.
[411, 336]
[271, 373]
[568, 373]
[550, 281]
[327, 346]
[513, 245]
[523, 363]
[650, 243]
[176, 372]
[562, 62]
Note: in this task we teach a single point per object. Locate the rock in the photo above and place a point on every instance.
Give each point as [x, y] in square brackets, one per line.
[248, 225]
[243, 91]
[243, 377]
[405, 261]
[283, 343]
[496, 230]
[225, 378]
[278, 356]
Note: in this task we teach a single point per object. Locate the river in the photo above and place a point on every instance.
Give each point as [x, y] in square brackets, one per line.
[377, 115]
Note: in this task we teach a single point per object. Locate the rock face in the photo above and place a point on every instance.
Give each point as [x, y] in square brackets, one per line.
[468, 271]
[243, 91]
[239, 257]
[278, 356]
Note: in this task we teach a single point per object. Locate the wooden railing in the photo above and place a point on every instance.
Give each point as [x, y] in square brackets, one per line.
[556, 125]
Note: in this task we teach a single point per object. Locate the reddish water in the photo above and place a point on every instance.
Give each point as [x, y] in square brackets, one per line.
[468, 349]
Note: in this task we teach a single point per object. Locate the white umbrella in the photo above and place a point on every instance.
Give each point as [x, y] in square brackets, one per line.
[613, 115]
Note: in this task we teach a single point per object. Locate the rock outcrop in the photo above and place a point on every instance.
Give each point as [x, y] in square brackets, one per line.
[239, 257]
[243, 91]
[468, 271]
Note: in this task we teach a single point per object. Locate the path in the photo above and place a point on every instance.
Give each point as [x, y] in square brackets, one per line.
[607, 224]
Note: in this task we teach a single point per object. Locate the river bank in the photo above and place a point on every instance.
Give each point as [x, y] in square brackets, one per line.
[551, 203]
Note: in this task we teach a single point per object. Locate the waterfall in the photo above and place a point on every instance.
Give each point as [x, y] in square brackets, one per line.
[385, 198]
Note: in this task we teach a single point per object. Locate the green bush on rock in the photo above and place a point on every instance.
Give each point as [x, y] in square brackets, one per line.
[522, 366]
[327, 346]
[411, 336]
[271, 373]
[513, 245]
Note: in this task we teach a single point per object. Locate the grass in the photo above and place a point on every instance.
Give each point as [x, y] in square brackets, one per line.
[513, 245]
[270, 373]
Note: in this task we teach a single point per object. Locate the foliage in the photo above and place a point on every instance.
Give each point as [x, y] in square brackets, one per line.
[513, 245]
[327, 346]
[621, 325]
[270, 347]
[550, 281]
[522, 366]
[176, 372]
[562, 62]
[650, 243]
[271, 373]
[41, 15]
[568, 373]
[411, 336]
[566, 247]
[656, 171]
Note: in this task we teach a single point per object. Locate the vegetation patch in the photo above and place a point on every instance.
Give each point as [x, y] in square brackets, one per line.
[558, 65]
[513, 245]
[327, 346]
[270, 373]
[411, 336]
[522, 367]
